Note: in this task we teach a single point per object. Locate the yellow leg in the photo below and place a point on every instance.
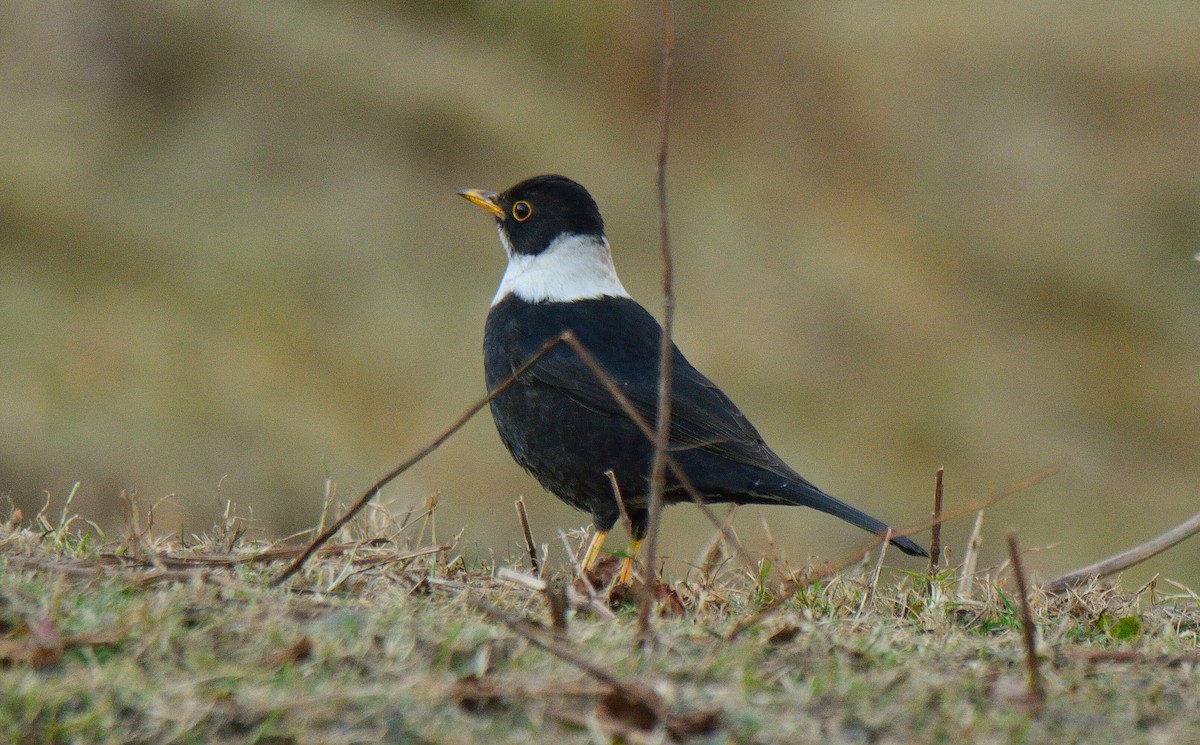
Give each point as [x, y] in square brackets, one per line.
[627, 564]
[593, 549]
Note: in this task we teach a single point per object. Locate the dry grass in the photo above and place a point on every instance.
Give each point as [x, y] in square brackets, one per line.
[389, 636]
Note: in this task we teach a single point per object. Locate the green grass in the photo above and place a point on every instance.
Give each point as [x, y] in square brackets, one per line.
[161, 640]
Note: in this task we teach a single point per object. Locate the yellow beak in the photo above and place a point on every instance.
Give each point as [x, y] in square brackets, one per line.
[485, 199]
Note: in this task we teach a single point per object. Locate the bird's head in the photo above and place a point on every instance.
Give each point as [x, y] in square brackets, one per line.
[537, 211]
[554, 238]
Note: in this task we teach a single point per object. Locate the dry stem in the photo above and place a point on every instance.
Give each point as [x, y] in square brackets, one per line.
[1037, 691]
[662, 435]
[1127, 558]
[935, 530]
[529, 544]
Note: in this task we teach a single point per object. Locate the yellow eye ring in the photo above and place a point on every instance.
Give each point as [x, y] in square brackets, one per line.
[522, 211]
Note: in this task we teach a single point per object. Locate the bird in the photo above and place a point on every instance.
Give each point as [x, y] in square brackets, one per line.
[562, 425]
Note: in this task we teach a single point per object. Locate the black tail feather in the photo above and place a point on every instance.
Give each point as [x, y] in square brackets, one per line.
[805, 494]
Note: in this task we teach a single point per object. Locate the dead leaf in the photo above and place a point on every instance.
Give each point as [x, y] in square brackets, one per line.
[670, 604]
[704, 722]
[783, 635]
[47, 644]
[635, 706]
[14, 520]
[477, 694]
[601, 574]
[620, 595]
[298, 651]
[39, 645]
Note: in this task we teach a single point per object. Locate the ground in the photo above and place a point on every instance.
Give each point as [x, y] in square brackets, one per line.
[390, 636]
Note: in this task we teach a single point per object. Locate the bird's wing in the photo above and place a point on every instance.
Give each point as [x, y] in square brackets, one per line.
[627, 348]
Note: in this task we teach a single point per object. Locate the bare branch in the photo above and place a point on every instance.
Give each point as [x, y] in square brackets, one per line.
[657, 467]
[1127, 558]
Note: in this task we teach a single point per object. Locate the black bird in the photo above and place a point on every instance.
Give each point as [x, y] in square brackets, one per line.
[560, 423]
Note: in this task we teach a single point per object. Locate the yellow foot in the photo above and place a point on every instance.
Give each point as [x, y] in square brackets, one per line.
[626, 574]
[593, 550]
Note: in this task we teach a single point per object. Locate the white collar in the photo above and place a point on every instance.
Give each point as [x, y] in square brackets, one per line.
[573, 267]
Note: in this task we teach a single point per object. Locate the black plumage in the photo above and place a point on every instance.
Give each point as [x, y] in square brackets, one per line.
[563, 426]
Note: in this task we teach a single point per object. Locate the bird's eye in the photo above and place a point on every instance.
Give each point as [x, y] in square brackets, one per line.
[521, 211]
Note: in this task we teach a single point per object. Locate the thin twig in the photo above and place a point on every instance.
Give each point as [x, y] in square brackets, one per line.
[874, 581]
[327, 502]
[557, 647]
[778, 559]
[1127, 558]
[626, 521]
[371, 493]
[148, 576]
[430, 520]
[572, 554]
[1132, 656]
[935, 530]
[556, 605]
[713, 555]
[373, 563]
[658, 465]
[643, 711]
[971, 557]
[185, 561]
[551, 644]
[1037, 691]
[573, 559]
[529, 544]
[132, 513]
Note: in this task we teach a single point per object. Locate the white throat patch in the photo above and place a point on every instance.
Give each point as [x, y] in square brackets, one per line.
[573, 267]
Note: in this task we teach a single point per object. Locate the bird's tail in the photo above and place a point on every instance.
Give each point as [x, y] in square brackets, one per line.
[800, 492]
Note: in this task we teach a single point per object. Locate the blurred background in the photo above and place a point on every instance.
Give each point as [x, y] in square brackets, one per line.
[232, 261]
